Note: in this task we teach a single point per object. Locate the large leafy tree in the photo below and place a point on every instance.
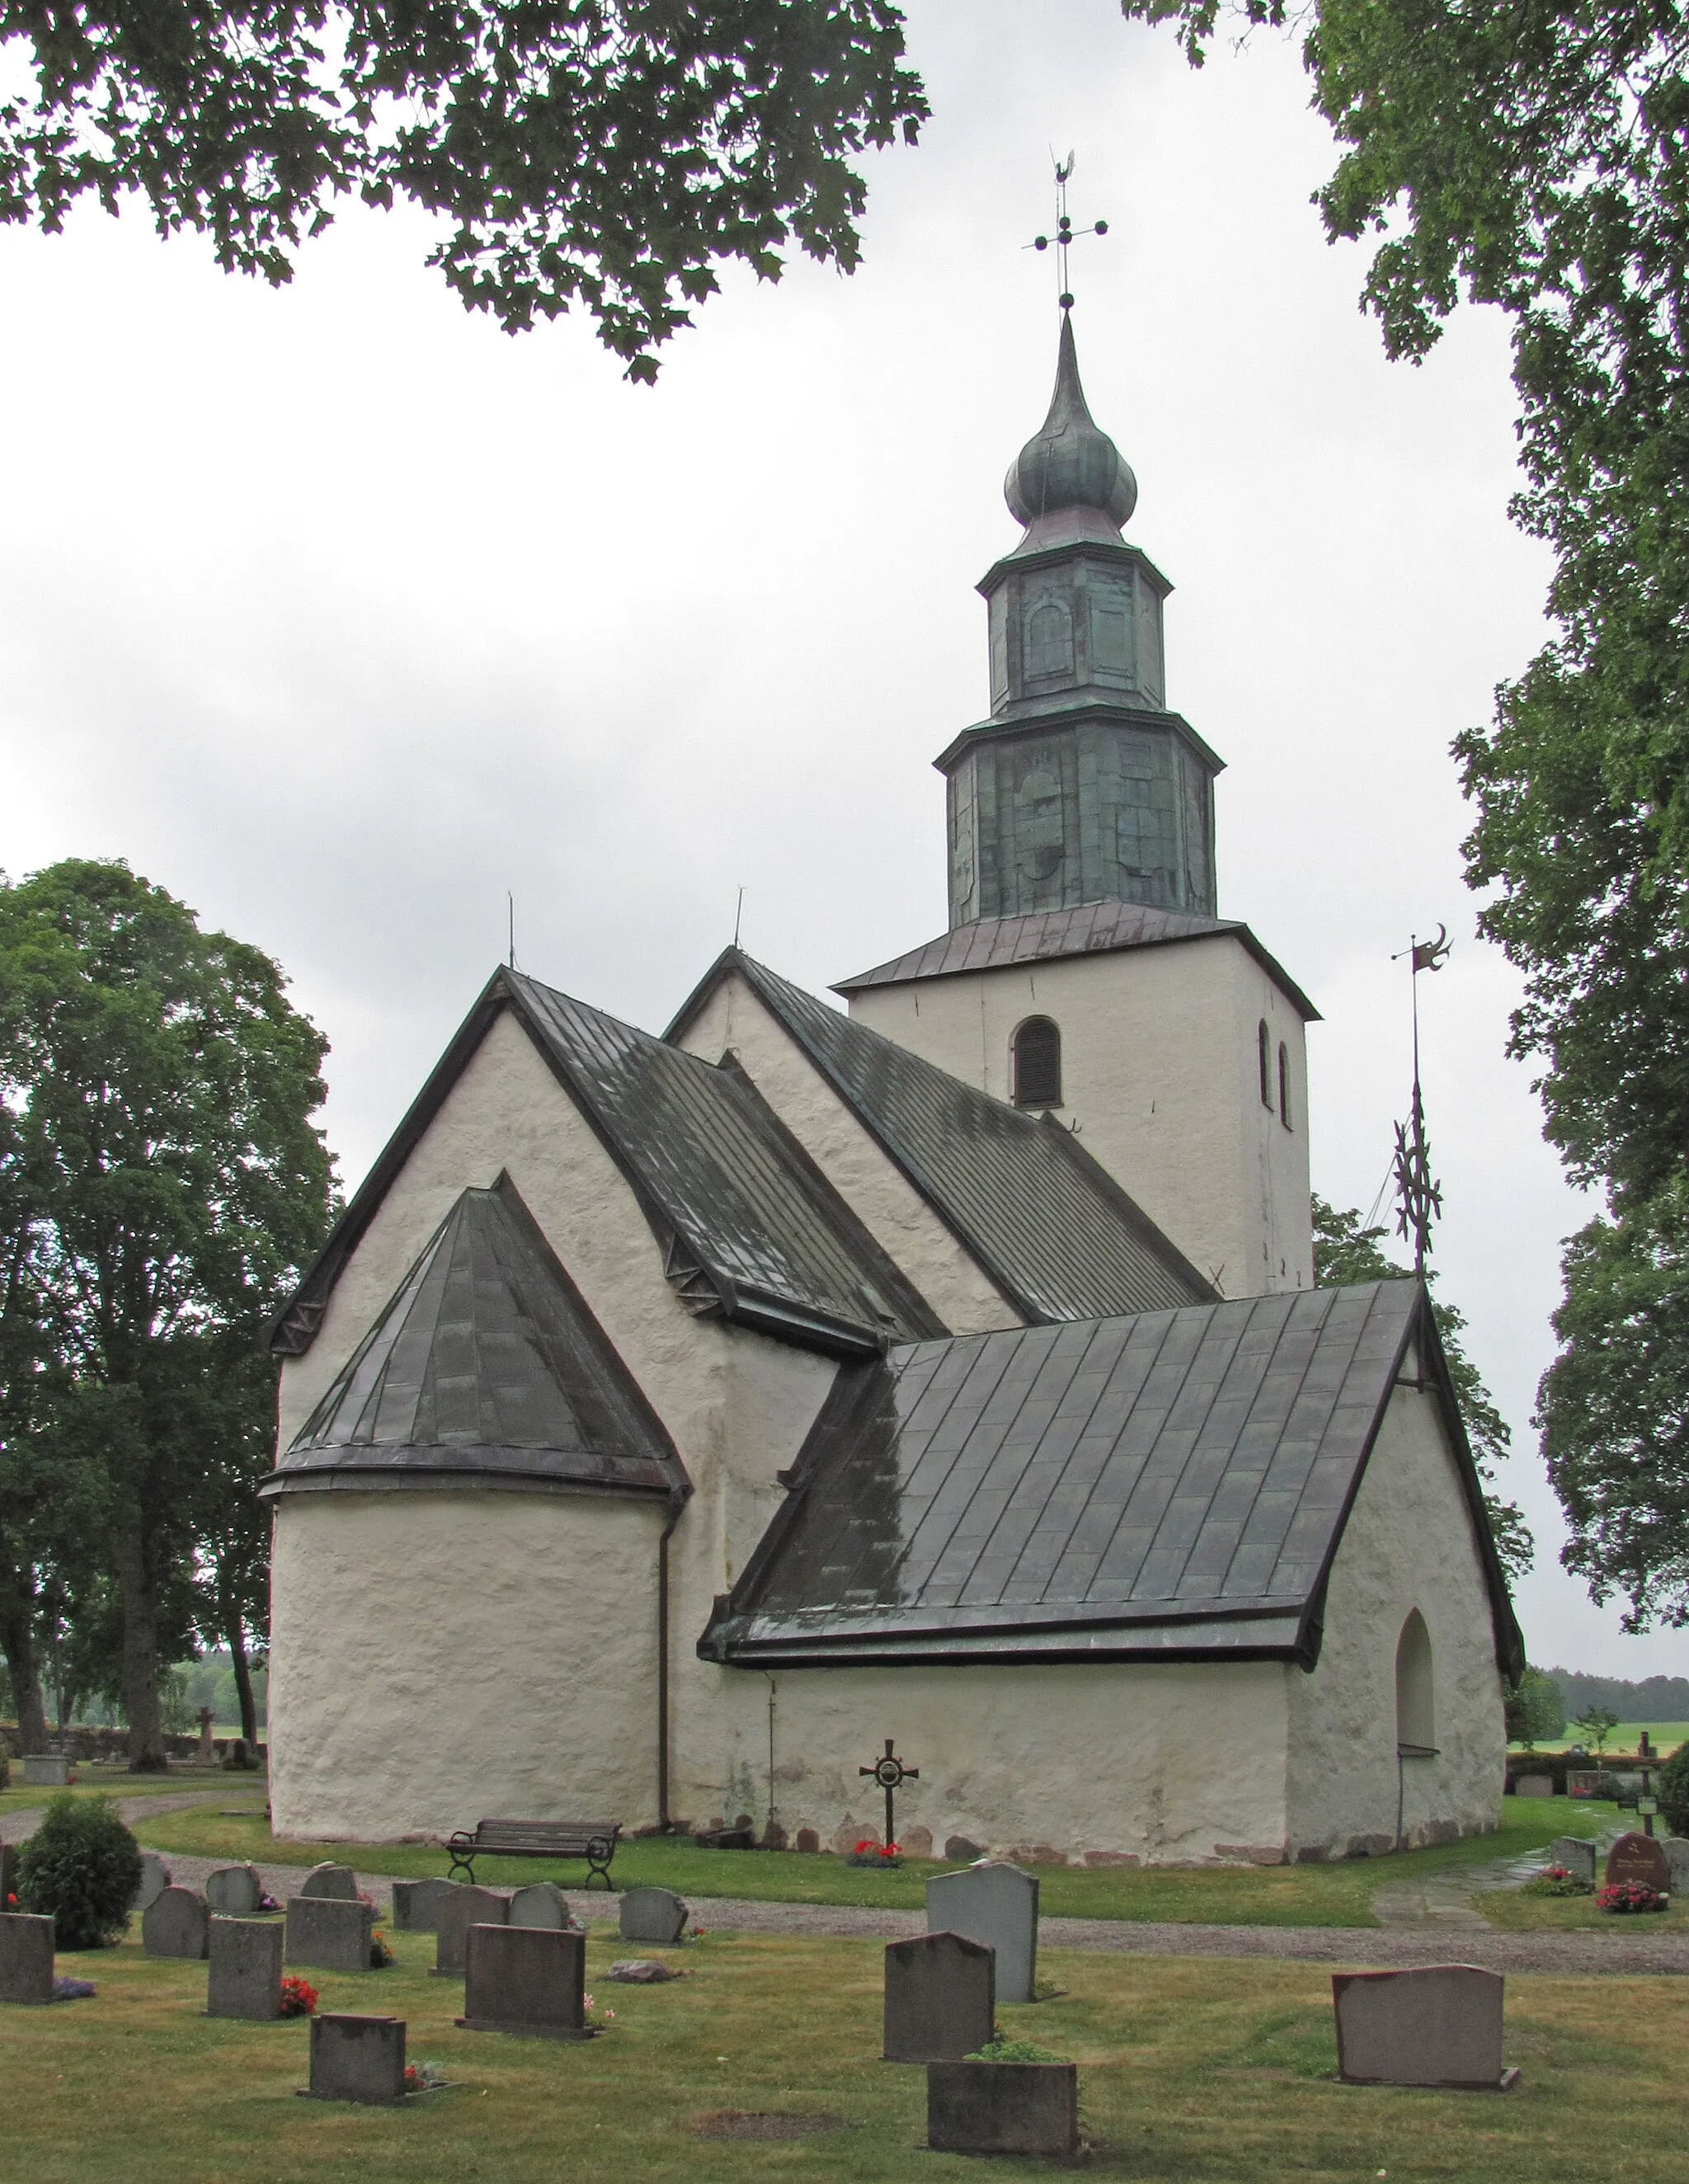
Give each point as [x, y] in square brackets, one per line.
[606, 153]
[1534, 155]
[162, 1088]
[1345, 1249]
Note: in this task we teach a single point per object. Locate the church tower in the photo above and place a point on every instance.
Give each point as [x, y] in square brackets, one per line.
[1087, 972]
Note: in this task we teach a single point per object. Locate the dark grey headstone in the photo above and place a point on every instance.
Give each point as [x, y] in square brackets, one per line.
[1576, 1854]
[653, 1916]
[1438, 2025]
[358, 2058]
[996, 1903]
[155, 1879]
[940, 1997]
[416, 1905]
[1641, 1859]
[1003, 2107]
[176, 1924]
[232, 1891]
[542, 1904]
[25, 1957]
[464, 1908]
[1676, 1849]
[963, 1849]
[524, 1979]
[328, 1935]
[245, 1979]
[337, 1881]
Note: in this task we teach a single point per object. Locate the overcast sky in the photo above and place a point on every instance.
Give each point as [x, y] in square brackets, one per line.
[339, 613]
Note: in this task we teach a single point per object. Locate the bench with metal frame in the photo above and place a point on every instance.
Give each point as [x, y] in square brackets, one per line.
[594, 1840]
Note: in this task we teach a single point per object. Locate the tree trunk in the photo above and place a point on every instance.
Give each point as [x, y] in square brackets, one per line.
[238, 1655]
[17, 1642]
[141, 1660]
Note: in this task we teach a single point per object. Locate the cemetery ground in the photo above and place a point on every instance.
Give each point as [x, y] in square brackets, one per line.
[1335, 1895]
[1192, 2072]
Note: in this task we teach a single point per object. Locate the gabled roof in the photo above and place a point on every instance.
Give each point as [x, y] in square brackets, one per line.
[1170, 1486]
[749, 1228]
[993, 943]
[1053, 1230]
[487, 1368]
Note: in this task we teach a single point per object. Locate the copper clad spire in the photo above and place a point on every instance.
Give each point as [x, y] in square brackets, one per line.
[1069, 462]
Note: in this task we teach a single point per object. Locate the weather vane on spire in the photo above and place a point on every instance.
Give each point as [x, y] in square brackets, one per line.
[1418, 1196]
[1066, 232]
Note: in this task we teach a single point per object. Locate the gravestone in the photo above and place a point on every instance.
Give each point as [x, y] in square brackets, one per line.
[1676, 1850]
[465, 1906]
[654, 1916]
[940, 1997]
[543, 1904]
[327, 1936]
[245, 1980]
[358, 2058]
[175, 1924]
[1575, 1855]
[337, 1881]
[962, 1849]
[1638, 1858]
[1439, 2026]
[46, 1770]
[529, 1979]
[807, 1840]
[9, 1873]
[206, 1756]
[26, 1958]
[232, 1891]
[1003, 2107]
[640, 1971]
[1534, 1786]
[416, 1905]
[996, 1903]
[155, 1879]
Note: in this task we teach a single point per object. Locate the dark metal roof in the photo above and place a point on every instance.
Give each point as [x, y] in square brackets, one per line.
[992, 944]
[1053, 1231]
[486, 1369]
[1169, 1486]
[749, 1228]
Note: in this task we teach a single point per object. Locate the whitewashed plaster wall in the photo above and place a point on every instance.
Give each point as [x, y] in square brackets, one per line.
[1409, 1543]
[734, 1019]
[1159, 1072]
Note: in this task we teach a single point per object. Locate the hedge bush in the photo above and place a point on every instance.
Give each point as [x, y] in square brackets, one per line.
[1671, 1787]
[82, 1867]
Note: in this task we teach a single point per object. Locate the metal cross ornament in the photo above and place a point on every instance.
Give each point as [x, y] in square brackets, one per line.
[1066, 232]
[1418, 1196]
[891, 1774]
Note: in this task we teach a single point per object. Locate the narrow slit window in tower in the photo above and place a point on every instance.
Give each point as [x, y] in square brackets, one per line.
[1035, 1053]
[1263, 1044]
[1284, 1084]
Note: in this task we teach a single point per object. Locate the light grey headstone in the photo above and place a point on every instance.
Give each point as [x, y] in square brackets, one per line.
[358, 2058]
[245, 1979]
[1438, 2025]
[25, 1957]
[176, 1924]
[1534, 1786]
[46, 1770]
[543, 1904]
[416, 1905]
[329, 1935]
[232, 1891]
[1003, 2107]
[337, 1881]
[1577, 1855]
[524, 1979]
[464, 1908]
[940, 1998]
[654, 1916]
[155, 1879]
[1676, 1849]
[996, 1903]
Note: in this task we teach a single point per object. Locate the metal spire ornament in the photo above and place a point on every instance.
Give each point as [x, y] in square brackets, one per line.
[1418, 1196]
[1066, 232]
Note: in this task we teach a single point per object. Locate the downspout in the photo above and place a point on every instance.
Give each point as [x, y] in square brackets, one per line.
[664, 1821]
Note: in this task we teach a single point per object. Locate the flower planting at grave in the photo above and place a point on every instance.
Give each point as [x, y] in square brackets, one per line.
[380, 1953]
[1558, 1881]
[870, 1853]
[298, 1996]
[1627, 1895]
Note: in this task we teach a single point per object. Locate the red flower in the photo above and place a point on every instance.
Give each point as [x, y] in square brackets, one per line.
[1629, 1895]
[298, 1996]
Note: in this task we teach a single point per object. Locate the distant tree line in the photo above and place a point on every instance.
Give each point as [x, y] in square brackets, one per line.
[162, 1185]
[1655, 1698]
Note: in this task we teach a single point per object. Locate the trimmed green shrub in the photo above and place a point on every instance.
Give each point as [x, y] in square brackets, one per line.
[1672, 1786]
[82, 1867]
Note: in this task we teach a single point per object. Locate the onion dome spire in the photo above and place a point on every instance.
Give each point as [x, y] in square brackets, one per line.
[1070, 462]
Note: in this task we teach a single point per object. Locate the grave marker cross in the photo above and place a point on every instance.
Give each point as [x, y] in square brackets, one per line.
[891, 1774]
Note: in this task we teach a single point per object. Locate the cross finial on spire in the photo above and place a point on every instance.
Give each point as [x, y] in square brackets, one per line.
[1066, 232]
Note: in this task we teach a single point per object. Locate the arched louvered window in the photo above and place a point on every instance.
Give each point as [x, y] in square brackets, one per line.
[1284, 1084]
[1035, 1058]
[1264, 1044]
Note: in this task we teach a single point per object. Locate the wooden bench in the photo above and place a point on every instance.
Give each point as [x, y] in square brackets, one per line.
[591, 1839]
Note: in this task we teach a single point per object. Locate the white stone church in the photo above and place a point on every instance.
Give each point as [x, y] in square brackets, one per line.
[669, 1421]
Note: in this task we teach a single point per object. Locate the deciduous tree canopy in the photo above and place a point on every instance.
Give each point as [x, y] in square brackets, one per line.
[606, 152]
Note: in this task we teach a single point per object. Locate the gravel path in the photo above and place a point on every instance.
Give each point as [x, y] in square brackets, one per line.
[1622, 1949]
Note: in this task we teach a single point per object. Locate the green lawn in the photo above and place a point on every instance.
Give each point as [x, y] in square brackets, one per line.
[1664, 1735]
[1192, 2072]
[116, 1782]
[1273, 1895]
